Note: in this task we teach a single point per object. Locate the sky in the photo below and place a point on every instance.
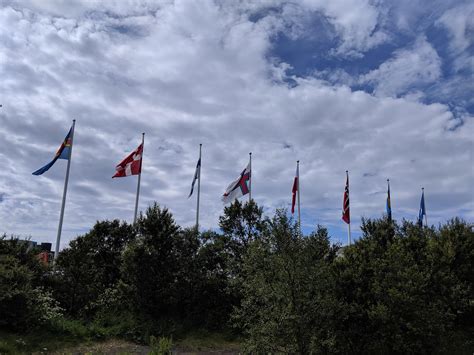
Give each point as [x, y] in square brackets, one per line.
[383, 89]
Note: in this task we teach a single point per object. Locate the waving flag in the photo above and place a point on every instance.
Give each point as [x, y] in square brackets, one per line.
[64, 152]
[294, 190]
[196, 176]
[131, 165]
[389, 203]
[346, 217]
[422, 212]
[239, 187]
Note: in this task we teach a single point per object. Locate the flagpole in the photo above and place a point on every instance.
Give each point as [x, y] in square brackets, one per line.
[348, 196]
[424, 203]
[139, 179]
[199, 189]
[250, 180]
[298, 189]
[66, 180]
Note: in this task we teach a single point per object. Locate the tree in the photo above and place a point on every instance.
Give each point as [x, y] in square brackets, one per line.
[90, 265]
[285, 279]
[21, 275]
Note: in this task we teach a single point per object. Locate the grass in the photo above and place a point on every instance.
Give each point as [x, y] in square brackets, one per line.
[74, 337]
[37, 341]
[207, 341]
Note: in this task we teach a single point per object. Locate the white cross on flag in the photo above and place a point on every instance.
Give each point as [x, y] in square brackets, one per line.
[131, 165]
[239, 187]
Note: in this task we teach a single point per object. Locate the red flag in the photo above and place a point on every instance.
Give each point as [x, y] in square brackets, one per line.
[345, 203]
[131, 165]
[295, 190]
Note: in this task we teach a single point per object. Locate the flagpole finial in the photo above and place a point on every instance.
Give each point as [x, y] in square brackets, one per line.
[298, 161]
[250, 153]
[388, 180]
[423, 189]
[347, 171]
[200, 144]
[143, 133]
[74, 120]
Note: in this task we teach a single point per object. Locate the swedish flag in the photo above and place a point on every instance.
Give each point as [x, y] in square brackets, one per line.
[64, 152]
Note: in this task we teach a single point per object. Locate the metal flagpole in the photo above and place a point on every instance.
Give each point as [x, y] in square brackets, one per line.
[424, 203]
[199, 189]
[298, 189]
[66, 180]
[250, 180]
[139, 178]
[348, 197]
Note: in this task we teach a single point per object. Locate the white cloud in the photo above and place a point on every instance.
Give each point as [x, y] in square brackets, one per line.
[199, 73]
[407, 69]
[459, 21]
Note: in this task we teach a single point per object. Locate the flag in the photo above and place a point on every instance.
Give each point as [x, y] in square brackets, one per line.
[239, 187]
[196, 176]
[422, 210]
[389, 204]
[64, 152]
[294, 190]
[346, 217]
[131, 165]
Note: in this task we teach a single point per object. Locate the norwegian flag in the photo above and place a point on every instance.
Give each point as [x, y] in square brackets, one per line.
[346, 217]
[131, 165]
[294, 190]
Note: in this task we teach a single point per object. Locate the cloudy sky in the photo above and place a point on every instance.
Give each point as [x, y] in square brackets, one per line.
[383, 89]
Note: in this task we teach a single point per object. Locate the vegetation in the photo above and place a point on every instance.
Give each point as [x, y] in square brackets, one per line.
[400, 288]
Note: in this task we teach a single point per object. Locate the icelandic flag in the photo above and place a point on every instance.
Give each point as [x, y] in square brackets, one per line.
[389, 204]
[64, 152]
[131, 165]
[196, 176]
[239, 187]
[422, 210]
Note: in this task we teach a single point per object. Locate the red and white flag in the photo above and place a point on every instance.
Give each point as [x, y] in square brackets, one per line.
[346, 217]
[294, 190]
[131, 165]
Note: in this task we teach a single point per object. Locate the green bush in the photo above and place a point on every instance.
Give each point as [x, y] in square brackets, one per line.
[161, 346]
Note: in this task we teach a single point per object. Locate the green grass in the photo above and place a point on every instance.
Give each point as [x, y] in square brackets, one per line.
[39, 340]
[204, 340]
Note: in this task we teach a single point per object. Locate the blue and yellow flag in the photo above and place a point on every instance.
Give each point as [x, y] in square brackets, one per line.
[389, 204]
[422, 211]
[64, 152]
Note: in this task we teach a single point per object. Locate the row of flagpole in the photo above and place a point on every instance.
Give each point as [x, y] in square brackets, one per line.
[132, 165]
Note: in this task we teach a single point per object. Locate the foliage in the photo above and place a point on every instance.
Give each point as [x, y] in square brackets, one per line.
[161, 346]
[90, 266]
[22, 303]
[285, 306]
[400, 288]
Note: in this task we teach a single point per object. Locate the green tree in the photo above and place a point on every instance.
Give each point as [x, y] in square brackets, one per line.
[21, 277]
[286, 276]
[90, 265]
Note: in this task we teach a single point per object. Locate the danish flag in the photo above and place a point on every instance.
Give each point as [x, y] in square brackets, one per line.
[131, 165]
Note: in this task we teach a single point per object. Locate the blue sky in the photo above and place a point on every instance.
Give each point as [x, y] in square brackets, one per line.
[380, 88]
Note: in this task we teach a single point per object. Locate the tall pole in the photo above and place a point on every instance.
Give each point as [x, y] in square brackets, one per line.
[349, 224]
[298, 189]
[66, 180]
[139, 179]
[250, 180]
[199, 189]
[424, 202]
